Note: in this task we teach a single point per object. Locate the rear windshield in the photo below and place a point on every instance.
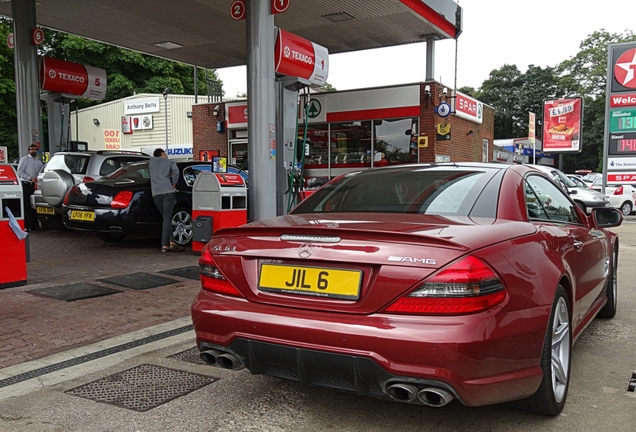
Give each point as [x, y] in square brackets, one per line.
[134, 171]
[439, 190]
[74, 164]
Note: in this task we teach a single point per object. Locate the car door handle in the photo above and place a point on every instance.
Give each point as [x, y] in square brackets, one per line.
[578, 245]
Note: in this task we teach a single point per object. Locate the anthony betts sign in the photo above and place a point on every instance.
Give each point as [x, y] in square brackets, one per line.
[74, 79]
[562, 125]
[298, 57]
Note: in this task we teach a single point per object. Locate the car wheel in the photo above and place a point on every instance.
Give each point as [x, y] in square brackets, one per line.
[182, 227]
[611, 289]
[626, 208]
[583, 207]
[110, 237]
[549, 399]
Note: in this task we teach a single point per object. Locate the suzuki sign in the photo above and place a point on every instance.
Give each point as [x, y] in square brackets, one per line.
[299, 57]
[73, 79]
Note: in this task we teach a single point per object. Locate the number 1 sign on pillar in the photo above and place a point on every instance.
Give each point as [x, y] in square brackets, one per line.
[279, 6]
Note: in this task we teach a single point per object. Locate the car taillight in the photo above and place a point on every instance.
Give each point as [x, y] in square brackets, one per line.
[121, 200]
[211, 277]
[68, 193]
[619, 191]
[466, 286]
[87, 179]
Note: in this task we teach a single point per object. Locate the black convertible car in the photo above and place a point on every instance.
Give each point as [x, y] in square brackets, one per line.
[121, 203]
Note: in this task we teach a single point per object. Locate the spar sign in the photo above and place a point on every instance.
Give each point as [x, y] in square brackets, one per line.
[73, 79]
[468, 108]
[298, 57]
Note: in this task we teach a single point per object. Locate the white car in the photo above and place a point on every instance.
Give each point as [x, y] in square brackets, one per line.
[622, 197]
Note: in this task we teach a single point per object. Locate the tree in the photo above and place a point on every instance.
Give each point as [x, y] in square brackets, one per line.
[501, 90]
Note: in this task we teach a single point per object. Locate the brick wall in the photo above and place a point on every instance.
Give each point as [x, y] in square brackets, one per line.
[462, 147]
[204, 134]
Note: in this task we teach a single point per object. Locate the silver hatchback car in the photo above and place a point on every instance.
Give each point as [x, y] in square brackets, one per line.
[66, 169]
[583, 197]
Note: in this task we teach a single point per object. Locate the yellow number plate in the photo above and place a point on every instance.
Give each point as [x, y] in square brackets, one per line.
[84, 216]
[314, 281]
[45, 210]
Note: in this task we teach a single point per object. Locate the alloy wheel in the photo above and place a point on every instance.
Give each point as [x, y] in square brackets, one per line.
[560, 350]
[182, 227]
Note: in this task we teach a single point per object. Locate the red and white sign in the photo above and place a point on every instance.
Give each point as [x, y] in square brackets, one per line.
[237, 10]
[468, 108]
[3, 154]
[75, 79]
[8, 175]
[621, 177]
[126, 125]
[625, 69]
[623, 100]
[279, 6]
[10, 41]
[299, 57]
[562, 125]
[37, 36]
[230, 179]
[236, 115]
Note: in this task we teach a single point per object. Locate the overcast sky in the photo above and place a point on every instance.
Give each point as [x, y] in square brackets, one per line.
[539, 32]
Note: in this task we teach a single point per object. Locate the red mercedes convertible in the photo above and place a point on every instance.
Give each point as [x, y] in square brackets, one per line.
[418, 283]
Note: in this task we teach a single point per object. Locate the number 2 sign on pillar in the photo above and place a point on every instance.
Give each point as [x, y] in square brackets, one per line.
[279, 6]
[237, 10]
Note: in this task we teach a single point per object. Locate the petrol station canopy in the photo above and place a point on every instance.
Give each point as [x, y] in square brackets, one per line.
[203, 33]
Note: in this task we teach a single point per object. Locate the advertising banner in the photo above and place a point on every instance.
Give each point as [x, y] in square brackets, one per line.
[299, 57]
[562, 125]
[73, 79]
[3, 154]
[112, 140]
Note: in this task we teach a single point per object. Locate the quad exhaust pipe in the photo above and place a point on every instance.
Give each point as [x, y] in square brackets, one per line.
[220, 359]
[430, 396]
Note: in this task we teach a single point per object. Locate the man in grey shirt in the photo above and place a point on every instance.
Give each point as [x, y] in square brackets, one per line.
[28, 170]
[164, 175]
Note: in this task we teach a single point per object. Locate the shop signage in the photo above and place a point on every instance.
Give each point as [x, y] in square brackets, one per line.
[74, 79]
[622, 177]
[443, 109]
[142, 122]
[111, 139]
[562, 125]
[624, 66]
[141, 106]
[299, 57]
[621, 163]
[468, 108]
[623, 100]
[236, 115]
[126, 125]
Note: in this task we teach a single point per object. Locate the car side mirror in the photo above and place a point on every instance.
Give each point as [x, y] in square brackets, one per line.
[606, 217]
[573, 192]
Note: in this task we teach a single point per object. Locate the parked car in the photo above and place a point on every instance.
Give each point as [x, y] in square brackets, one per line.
[577, 180]
[590, 177]
[414, 283]
[586, 198]
[622, 197]
[66, 169]
[121, 203]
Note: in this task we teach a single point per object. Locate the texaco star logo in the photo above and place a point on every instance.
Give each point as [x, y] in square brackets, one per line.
[52, 74]
[287, 52]
[625, 69]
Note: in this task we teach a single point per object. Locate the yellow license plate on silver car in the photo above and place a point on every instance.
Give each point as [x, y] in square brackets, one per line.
[82, 216]
[313, 281]
[45, 210]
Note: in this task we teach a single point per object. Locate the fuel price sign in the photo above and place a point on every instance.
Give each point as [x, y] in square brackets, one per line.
[623, 120]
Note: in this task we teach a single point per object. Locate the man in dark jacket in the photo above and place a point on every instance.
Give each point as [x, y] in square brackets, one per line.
[164, 175]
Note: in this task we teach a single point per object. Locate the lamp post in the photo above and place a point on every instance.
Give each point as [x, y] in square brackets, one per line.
[165, 108]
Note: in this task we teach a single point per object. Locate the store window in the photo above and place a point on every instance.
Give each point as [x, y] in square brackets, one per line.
[395, 141]
[351, 144]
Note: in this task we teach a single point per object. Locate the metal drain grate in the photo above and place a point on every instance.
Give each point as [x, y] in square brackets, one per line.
[190, 355]
[143, 387]
[631, 383]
